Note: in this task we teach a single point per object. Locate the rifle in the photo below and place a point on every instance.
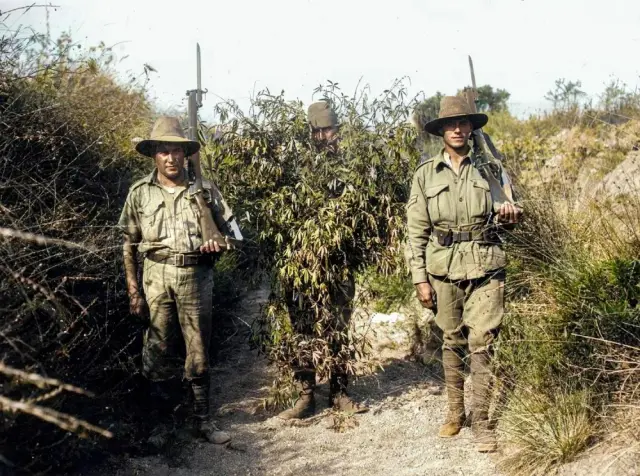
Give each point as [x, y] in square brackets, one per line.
[485, 160]
[208, 227]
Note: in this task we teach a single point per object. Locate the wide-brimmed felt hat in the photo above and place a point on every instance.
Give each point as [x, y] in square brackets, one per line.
[321, 115]
[167, 129]
[455, 107]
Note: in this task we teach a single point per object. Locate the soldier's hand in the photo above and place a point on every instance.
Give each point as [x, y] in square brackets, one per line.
[210, 247]
[425, 295]
[509, 213]
[137, 305]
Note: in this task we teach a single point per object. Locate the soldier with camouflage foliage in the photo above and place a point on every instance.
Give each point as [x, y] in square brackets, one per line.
[324, 125]
[458, 262]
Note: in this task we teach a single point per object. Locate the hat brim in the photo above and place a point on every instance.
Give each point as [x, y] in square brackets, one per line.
[146, 147]
[478, 120]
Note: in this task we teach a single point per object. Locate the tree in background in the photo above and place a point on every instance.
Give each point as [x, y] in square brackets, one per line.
[428, 109]
[566, 95]
[492, 101]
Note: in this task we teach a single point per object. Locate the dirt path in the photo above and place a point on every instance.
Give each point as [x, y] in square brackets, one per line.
[397, 437]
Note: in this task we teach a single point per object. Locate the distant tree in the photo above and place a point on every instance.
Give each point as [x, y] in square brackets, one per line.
[424, 112]
[566, 94]
[617, 98]
[490, 100]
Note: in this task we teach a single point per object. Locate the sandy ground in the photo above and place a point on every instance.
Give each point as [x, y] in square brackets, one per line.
[397, 437]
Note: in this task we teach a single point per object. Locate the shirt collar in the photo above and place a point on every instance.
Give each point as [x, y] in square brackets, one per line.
[444, 159]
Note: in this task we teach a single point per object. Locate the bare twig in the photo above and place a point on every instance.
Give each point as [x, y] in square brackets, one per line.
[42, 240]
[40, 381]
[46, 396]
[27, 8]
[62, 420]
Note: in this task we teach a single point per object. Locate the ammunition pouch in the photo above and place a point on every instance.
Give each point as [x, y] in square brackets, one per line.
[448, 237]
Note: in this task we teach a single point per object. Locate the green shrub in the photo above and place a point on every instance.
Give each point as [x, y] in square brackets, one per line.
[318, 218]
[388, 292]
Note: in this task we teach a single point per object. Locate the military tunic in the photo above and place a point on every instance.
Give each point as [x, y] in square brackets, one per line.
[467, 276]
[166, 221]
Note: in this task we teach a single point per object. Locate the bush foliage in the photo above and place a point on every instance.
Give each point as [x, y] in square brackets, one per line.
[318, 217]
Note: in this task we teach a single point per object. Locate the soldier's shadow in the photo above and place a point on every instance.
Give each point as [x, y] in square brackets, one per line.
[242, 379]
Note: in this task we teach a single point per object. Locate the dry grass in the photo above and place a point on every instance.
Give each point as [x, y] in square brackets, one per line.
[569, 353]
[545, 432]
[65, 164]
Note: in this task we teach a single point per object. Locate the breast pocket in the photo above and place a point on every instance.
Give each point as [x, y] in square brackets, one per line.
[480, 203]
[439, 204]
[152, 220]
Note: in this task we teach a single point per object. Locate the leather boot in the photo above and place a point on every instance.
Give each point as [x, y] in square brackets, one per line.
[338, 397]
[481, 377]
[305, 405]
[161, 408]
[204, 426]
[454, 382]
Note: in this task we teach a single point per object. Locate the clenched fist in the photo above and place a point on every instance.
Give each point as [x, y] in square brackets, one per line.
[509, 213]
[426, 295]
[137, 305]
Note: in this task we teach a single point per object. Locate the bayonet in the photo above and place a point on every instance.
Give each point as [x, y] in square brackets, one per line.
[226, 222]
[473, 75]
[485, 161]
[199, 79]
[208, 226]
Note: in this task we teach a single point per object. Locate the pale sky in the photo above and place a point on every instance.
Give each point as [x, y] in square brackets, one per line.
[522, 46]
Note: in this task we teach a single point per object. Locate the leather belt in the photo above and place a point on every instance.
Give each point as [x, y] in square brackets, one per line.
[449, 237]
[180, 259]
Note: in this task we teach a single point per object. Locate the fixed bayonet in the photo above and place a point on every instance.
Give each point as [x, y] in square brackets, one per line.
[485, 160]
[199, 79]
[220, 226]
[208, 227]
[473, 74]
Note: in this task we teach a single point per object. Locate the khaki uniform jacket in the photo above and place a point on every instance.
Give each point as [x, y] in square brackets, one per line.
[440, 199]
[158, 220]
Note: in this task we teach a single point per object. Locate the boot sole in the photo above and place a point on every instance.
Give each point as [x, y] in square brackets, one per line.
[450, 435]
[296, 417]
[487, 448]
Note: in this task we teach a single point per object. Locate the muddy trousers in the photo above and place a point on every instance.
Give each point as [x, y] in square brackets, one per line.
[469, 313]
[180, 311]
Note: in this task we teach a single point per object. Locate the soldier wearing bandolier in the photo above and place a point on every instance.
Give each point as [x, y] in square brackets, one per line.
[160, 220]
[457, 261]
[324, 125]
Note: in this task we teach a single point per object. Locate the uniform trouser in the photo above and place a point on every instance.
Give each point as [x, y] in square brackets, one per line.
[469, 312]
[180, 306]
